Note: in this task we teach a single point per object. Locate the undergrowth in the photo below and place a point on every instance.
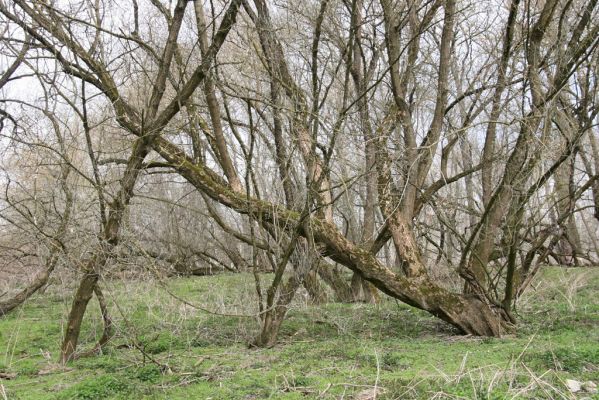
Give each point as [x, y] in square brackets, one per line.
[166, 349]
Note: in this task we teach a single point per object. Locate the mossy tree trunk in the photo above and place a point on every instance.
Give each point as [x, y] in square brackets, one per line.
[331, 275]
[469, 314]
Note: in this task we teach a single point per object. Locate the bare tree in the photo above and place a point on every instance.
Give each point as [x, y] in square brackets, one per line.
[398, 140]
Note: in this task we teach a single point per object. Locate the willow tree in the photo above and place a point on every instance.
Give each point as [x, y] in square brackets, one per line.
[333, 125]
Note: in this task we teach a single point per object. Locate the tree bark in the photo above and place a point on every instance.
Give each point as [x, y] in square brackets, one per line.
[109, 239]
[82, 297]
[38, 282]
[468, 314]
[108, 330]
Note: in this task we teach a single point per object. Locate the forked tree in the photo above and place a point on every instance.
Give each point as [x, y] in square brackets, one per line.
[334, 131]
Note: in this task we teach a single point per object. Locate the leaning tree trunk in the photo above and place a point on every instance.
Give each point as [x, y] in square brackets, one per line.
[468, 314]
[56, 243]
[82, 297]
[38, 282]
[110, 238]
[107, 332]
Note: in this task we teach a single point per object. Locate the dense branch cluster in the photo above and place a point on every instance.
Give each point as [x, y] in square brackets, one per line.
[436, 151]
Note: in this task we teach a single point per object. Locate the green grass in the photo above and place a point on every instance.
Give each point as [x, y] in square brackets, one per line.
[330, 351]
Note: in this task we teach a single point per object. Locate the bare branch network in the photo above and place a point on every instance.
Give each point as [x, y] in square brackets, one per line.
[436, 151]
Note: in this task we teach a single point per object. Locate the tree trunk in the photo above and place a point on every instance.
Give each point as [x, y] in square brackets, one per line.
[273, 318]
[569, 242]
[38, 282]
[363, 291]
[469, 314]
[335, 280]
[314, 288]
[110, 238]
[82, 297]
[271, 324]
[593, 169]
[107, 332]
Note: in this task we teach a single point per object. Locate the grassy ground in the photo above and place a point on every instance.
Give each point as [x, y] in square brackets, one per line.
[332, 351]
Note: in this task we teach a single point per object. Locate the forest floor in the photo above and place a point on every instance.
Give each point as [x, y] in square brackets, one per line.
[165, 349]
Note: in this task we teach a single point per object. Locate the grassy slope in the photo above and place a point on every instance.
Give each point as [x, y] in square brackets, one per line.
[329, 351]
